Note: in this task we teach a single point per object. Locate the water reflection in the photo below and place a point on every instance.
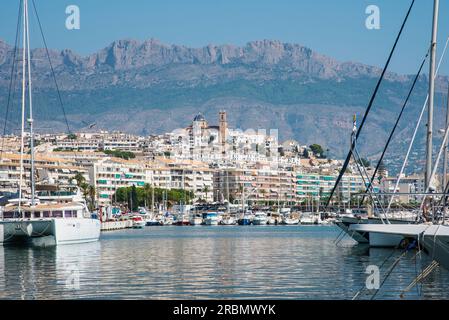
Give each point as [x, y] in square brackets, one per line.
[208, 262]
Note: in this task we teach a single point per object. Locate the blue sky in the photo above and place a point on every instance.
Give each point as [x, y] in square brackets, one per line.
[335, 28]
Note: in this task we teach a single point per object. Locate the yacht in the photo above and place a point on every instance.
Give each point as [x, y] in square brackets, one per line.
[291, 219]
[260, 218]
[47, 224]
[181, 220]
[228, 220]
[310, 218]
[211, 219]
[196, 219]
[245, 219]
[138, 222]
[274, 218]
[433, 237]
[57, 219]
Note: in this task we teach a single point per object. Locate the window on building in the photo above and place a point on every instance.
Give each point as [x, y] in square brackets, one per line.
[57, 214]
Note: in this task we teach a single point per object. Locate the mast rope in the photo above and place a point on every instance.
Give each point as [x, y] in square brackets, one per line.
[51, 67]
[397, 120]
[415, 132]
[370, 104]
[13, 78]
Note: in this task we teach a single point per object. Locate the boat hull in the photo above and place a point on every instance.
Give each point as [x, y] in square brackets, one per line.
[259, 222]
[181, 223]
[244, 222]
[154, 223]
[211, 222]
[196, 221]
[49, 231]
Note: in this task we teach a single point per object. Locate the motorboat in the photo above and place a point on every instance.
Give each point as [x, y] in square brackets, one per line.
[291, 219]
[228, 220]
[260, 218]
[310, 218]
[138, 222]
[196, 219]
[211, 219]
[245, 219]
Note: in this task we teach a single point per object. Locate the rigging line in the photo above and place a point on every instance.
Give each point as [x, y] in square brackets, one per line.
[362, 174]
[13, 77]
[22, 132]
[415, 132]
[388, 273]
[370, 104]
[397, 121]
[51, 66]
[432, 176]
[363, 289]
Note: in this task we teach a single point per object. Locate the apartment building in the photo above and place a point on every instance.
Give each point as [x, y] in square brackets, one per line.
[314, 185]
[109, 174]
[103, 140]
[47, 169]
[260, 184]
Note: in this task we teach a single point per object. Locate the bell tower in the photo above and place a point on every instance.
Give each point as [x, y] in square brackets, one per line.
[223, 128]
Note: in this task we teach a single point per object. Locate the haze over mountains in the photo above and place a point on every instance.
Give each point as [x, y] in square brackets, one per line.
[150, 87]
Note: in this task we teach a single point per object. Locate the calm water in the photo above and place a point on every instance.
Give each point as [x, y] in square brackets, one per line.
[266, 262]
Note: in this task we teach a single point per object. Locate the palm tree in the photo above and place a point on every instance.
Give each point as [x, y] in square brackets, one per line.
[79, 179]
[91, 192]
[206, 191]
[262, 193]
[147, 191]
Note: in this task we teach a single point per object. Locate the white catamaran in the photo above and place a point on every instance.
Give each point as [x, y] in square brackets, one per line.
[28, 219]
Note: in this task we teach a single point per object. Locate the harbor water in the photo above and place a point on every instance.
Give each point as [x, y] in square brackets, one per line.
[214, 262]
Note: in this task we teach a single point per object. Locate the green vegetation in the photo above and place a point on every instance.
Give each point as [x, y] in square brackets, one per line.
[365, 162]
[120, 154]
[72, 136]
[142, 196]
[317, 150]
[88, 190]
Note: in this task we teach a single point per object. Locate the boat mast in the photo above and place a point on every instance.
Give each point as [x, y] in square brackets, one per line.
[431, 95]
[22, 129]
[30, 119]
[445, 146]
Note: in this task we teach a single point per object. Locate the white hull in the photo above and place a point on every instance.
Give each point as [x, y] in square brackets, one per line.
[50, 231]
[260, 221]
[375, 239]
[435, 238]
[211, 222]
[228, 221]
[139, 224]
[196, 221]
[381, 240]
[291, 221]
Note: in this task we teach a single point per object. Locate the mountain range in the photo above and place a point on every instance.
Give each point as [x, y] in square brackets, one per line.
[148, 87]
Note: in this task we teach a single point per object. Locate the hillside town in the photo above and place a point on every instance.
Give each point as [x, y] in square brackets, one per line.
[212, 163]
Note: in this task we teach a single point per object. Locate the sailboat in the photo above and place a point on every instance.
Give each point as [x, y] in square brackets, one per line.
[27, 220]
[432, 235]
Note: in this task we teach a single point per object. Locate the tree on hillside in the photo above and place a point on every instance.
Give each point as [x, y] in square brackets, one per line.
[365, 162]
[317, 150]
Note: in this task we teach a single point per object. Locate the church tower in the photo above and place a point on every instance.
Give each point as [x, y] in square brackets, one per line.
[223, 128]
